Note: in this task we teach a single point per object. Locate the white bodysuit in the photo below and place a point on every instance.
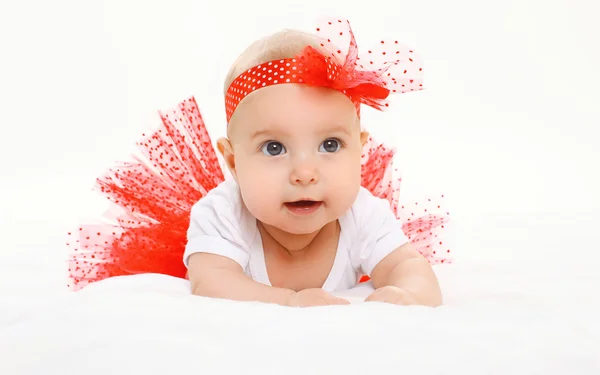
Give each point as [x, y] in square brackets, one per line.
[221, 224]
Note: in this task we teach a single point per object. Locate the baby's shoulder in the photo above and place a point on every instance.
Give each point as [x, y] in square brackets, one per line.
[367, 215]
[368, 205]
[225, 195]
[223, 203]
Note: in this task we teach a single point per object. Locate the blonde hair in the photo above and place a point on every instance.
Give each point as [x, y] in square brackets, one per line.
[280, 45]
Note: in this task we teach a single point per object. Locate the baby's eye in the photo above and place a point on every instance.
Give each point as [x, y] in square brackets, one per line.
[330, 145]
[272, 148]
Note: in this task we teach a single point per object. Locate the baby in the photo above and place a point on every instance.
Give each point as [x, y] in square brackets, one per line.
[294, 224]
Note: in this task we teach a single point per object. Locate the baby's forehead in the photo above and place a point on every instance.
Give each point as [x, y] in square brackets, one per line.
[248, 131]
[287, 105]
[253, 127]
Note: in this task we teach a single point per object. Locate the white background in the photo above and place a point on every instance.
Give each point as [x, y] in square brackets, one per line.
[506, 127]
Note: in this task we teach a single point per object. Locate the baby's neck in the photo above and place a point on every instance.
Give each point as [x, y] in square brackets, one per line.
[294, 244]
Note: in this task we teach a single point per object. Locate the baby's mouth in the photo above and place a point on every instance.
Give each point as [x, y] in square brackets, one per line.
[303, 206]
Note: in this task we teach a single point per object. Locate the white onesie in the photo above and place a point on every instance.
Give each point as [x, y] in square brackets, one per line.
[221, 224]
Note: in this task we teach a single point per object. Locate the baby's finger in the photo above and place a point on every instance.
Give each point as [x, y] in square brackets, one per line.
[377, 296]
[338, 301]
[372, 297]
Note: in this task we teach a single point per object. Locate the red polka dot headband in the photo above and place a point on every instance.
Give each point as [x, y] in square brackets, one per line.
[369, 79]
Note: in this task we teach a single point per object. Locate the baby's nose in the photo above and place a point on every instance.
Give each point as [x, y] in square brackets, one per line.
[304, 175]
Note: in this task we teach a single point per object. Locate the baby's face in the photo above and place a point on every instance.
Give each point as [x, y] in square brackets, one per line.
[296, 153]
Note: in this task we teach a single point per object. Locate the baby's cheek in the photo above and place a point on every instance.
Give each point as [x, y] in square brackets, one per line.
[345, 185]
[258, 188]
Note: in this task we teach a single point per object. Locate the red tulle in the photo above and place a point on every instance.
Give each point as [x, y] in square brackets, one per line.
[152, 199]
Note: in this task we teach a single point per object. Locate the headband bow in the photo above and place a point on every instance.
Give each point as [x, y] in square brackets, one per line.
[368, 79]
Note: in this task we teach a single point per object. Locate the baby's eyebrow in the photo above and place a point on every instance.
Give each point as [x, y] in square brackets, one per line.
[260, 133]
[336, 129]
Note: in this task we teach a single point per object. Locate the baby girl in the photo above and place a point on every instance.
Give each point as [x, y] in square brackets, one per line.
[311, 209]
[294, 225]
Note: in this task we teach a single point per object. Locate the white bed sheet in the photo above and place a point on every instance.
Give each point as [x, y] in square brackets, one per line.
[496, 319]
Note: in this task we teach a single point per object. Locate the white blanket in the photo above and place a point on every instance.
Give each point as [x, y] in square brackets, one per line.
[493, 322]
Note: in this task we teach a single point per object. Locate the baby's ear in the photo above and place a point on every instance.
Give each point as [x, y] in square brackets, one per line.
[364, 137]
[225, 148]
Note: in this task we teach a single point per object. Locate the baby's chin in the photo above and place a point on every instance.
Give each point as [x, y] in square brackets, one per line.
[301, 230]
[294, 225]
[296, 228]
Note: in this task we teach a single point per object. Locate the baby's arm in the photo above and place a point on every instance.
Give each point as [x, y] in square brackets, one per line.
[405, 277]
[400, 274]
[216, 276]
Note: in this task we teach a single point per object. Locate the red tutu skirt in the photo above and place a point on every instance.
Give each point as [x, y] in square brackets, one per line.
[152, 197]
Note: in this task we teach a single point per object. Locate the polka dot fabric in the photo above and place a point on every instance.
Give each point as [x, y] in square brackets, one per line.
[367, 78]
[151, 200]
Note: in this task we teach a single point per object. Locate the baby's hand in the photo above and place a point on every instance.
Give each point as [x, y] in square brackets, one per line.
[314, 297]
[392, 294]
